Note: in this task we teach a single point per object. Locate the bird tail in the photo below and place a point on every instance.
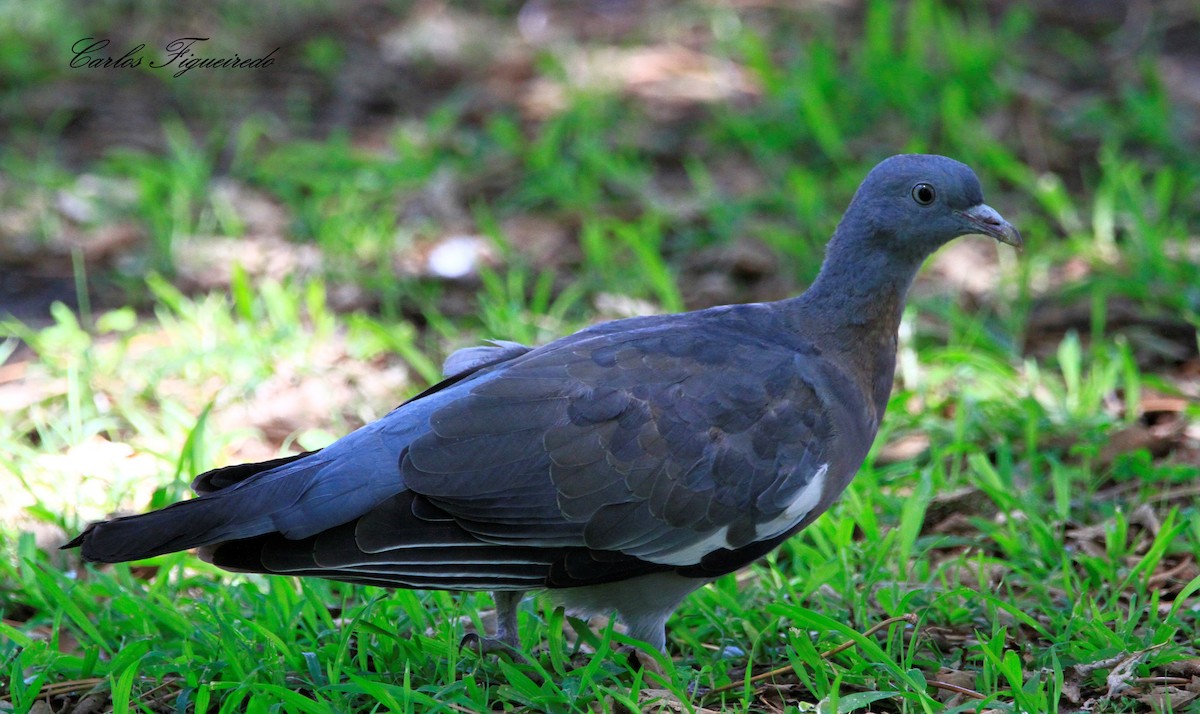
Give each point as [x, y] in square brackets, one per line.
[180, 526]
[296, 497]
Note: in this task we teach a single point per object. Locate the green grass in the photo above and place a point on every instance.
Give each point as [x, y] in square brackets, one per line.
[1062, 560]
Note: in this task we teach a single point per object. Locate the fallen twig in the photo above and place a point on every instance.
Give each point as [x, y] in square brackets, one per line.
[908, 617]
[955, 688]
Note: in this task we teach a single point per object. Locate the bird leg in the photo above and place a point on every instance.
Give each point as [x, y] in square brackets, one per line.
[506, 616]
[506, 640]
[640, 659]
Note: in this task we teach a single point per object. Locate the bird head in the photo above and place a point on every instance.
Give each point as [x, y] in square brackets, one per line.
[915, 203]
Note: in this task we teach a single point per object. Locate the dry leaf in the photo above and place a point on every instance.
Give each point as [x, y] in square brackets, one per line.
[1184, 668]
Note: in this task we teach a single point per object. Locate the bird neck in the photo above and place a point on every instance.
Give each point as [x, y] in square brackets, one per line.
[854, 307]
[860, 291]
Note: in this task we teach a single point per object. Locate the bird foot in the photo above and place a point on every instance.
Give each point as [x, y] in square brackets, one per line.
[491, 646]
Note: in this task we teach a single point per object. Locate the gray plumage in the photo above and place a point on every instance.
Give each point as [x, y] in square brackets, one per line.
[620, 467]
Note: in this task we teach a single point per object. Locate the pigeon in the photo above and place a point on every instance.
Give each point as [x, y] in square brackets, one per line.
[617, 469]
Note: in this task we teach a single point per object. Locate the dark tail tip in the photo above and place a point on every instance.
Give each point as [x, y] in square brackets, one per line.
[136, 537]
[85, 541]
[79, 539]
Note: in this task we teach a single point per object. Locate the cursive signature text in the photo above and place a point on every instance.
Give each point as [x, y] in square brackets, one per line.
[90, 53]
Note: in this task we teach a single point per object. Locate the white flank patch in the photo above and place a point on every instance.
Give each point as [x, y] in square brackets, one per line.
[691, 554]
[805, 500]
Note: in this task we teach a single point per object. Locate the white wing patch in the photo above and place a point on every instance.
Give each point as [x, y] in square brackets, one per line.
[806, 499]
[691, 554]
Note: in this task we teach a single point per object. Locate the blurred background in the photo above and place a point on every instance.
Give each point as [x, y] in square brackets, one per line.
[383, 130]
[225, 264]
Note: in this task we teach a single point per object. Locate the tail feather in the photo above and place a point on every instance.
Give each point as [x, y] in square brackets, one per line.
[180, 526]
[217, 479]
[294, 496]
[423, 553]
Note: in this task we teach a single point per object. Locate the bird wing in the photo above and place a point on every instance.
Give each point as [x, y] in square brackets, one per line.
[631, 447]
[469, 360]
[664, 443]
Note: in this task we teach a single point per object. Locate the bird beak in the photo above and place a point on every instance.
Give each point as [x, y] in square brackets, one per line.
[990, 223]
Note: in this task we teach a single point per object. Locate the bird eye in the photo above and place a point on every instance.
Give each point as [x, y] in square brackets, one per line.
[923, 194]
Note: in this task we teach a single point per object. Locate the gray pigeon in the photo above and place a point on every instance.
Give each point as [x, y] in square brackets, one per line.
[619, 468]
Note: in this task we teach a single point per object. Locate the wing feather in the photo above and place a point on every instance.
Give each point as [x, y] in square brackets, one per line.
[661, 443]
